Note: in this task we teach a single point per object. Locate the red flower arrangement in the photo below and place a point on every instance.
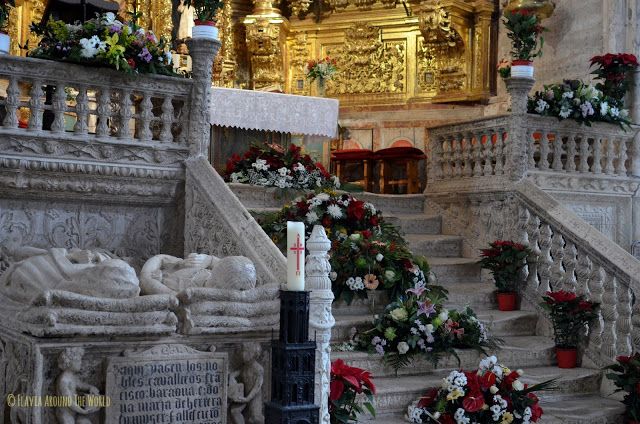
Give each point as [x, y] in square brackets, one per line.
[614, 72]
[626, 377]
[505, 259]
[346, 383]
[270, 165]
[493, 393]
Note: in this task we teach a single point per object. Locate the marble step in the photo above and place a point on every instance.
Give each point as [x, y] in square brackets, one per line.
[577, 409]
[374, 303]
[391, 204]
[521, 352]
[476, 295]
[393, 394]
[436, 245]
[454, 270]
[416, 223]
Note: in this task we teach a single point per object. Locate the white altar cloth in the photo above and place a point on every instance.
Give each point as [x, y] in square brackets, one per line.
[259, 110]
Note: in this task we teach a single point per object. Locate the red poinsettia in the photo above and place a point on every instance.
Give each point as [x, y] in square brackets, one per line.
[355, 210]
[428, 398]
[560, 296]
[346, 383]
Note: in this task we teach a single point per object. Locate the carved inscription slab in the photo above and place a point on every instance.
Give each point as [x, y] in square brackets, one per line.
[167, 384]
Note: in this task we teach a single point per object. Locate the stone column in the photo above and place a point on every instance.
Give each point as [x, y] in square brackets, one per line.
[321, 321]
[202, 52]
[517, 145]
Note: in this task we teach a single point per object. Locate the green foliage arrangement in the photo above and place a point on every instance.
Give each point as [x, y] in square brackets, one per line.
[505, 259]
[524, 30]
[206, 10]
[570, 315]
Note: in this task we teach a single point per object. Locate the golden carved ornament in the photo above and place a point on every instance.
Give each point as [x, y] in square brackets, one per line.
[542, 8]
[264, 46]
[368, 65]
[299, 51]
[224, 65]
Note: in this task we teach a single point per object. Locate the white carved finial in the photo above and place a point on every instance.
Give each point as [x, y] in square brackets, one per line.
[317, 269]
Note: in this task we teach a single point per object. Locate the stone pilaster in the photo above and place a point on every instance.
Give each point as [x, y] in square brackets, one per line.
[321, 321]
[516, 164]
[203, 52]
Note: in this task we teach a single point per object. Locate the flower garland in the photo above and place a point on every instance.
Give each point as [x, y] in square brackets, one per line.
[492, 394]
[574, 99]
[271, 166]
[418, 324]
[104, 41]
[366, 254]
[346, 386]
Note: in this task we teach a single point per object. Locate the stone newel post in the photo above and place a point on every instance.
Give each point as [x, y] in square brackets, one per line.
[517, 145]
[634, 104]
[321, 321]
[203, 52]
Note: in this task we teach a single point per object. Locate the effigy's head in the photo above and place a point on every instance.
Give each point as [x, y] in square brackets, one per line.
[234, 272]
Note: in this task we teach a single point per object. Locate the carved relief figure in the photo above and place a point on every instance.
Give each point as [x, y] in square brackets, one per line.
[245, 387]
[70, 386]
[85, 272]
[186, 21]
[169, 274]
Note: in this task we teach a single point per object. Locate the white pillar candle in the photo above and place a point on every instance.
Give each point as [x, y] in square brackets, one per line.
[295, 256]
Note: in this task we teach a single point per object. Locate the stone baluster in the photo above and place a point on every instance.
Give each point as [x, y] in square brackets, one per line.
[104, 112]
[203, 52]
[533, 230]
[621, 165]
[516, 152]
[467, 171]
[457, 156]
[167, 119]
[571, 153]
[477, 154]
[584, 154]
[146, 114]
[522, 235]
[447, 156]
[596, 166]
[557, 252]
[36, 106]
[635, 324]
[557, 153]
[82, 111]
[610, 155]
[596, 288]
[583, 274]
[125, 114]
[569, 282]
[12, 103]
[488, 154]
[546, 262]
[531, 149]
[59, 104]
[499, 150]
[623, 323]
[609, 315]
[543, 162]
[635, 155]
[321, 321]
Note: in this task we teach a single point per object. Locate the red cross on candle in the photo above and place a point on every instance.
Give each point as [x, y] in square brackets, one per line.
[298, 249]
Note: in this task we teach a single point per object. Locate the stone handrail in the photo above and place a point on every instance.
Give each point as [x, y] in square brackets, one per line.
[106, 104]
[569, 254]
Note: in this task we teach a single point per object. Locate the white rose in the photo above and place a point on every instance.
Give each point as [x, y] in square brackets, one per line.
[444, 315]
[379, 257]
[493, 390]
[429, 328]
[520, 372]
[517, 385]
[389, 274]
[403, 348]
[436, 415]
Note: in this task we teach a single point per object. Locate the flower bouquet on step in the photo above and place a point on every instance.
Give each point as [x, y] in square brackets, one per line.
[366, 254]
[271, 165]
[491, 394]
[104, 41]
[570, 315]
[418, 324]
[347, 385]
[505, 259]
[626, 377]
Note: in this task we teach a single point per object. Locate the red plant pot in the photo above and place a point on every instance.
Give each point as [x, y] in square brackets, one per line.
[207, 23]
[507, 301]
[520, 62]
[567, 358]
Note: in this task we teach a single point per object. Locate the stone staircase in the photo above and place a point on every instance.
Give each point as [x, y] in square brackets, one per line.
[577, 399]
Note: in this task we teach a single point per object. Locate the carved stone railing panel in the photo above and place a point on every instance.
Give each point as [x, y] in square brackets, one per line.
[101, 104]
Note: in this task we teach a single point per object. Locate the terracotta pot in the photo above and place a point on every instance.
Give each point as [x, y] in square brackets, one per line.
[567, 357]
[507, 301]
[542, 8]
[521, 69]
[5, 41]
[205, 29]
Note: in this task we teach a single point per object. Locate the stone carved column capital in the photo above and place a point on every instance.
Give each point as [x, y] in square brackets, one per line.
[519, 89]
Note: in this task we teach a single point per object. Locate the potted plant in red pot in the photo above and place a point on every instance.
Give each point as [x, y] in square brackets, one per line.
[524, 29]
[350, 392]
[626, 377]
[205, 22]
[505, 259]
[5, 41]
[570, 315]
